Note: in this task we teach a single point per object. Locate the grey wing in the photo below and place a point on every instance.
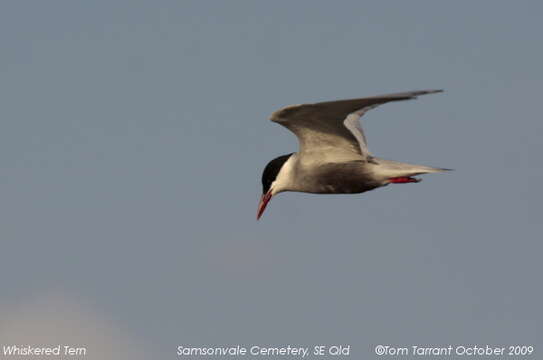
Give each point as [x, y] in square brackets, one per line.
[353, 123]
[333, 128]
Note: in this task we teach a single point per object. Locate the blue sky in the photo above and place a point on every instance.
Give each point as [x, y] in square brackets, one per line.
[133, 137]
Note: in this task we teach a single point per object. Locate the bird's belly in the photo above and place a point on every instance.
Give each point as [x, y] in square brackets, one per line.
[342, 188]
[339, 178]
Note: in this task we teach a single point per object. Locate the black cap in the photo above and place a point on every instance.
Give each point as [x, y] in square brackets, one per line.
[272, 169]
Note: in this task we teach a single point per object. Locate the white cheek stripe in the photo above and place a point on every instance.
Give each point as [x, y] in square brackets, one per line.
[284, 177]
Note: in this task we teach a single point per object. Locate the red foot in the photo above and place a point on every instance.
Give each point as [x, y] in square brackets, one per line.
[403, 180]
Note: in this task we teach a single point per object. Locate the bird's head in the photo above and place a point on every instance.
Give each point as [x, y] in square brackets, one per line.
[270, 183]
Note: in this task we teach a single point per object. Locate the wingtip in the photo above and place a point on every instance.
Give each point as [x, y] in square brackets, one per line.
[415, 94]
[280, 115]
[431, 91]
[410, 95]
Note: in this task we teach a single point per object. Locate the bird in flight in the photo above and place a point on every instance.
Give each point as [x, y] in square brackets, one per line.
[333, 156]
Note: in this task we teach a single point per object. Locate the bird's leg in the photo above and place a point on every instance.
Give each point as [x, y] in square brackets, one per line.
[403, 180]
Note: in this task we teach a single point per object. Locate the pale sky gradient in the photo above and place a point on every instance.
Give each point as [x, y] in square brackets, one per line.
[133, 135]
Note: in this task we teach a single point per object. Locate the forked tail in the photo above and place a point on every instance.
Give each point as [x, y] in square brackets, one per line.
[386, 169]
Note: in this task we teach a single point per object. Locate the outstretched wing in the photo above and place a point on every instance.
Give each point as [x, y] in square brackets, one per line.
[333, 128]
